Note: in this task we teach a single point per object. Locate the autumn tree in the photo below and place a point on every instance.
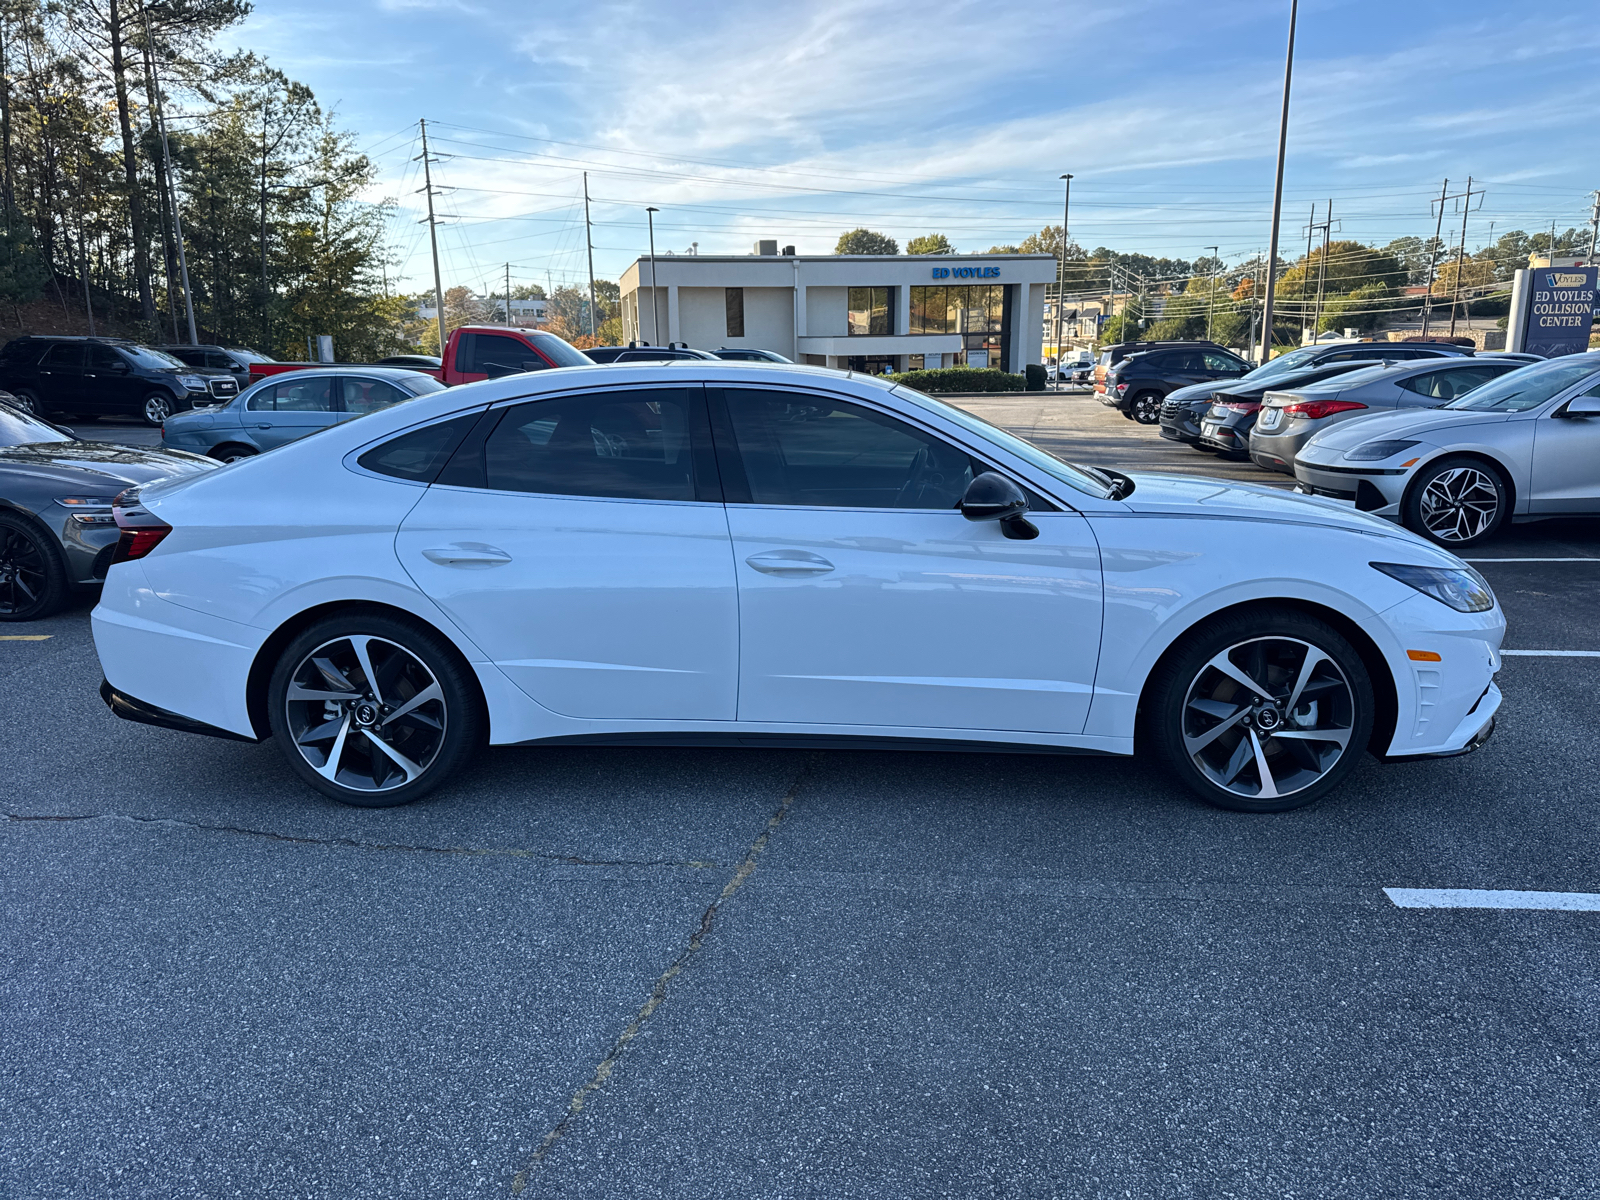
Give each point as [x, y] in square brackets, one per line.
[865, 241]
[930, 243]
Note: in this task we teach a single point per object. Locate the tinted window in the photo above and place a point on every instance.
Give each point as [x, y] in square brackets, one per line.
[559, 352]
[419, 454]
[64, 354]
[1182, 360]
[501, 352]
[195, 358]
[630, 445]
[214, 358]
[362, 396]
[1224, 362]
[104, 358]
[151, 360]
[312, 394]
[798, 448]
[734, 304]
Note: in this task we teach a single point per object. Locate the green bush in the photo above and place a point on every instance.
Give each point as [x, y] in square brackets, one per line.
[962, 379]
[1036, 376]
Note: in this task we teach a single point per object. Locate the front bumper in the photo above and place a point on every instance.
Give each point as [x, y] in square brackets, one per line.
[1180, 422]
[1376, 491]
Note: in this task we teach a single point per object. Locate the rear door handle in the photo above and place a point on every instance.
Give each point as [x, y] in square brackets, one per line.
[263, 426]
[789, 563]
[467, 556]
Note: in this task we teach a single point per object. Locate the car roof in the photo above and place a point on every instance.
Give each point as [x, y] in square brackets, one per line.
[350, 369]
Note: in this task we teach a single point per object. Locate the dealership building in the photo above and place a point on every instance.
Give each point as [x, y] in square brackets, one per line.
[864, 312]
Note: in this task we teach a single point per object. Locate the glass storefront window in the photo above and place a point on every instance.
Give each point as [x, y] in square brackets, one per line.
[976, 311]
[870, 313]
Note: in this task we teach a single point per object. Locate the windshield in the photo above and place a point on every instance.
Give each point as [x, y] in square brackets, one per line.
[1283, 364]
[559, 352]
[1074, 477]
[1528, 387]
[422, 385]
[155, 360]
[17, 428]
[251, 355]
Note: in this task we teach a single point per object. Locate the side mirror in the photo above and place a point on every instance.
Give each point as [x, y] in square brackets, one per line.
[119, 368]
[993, 497]
[1582, 406]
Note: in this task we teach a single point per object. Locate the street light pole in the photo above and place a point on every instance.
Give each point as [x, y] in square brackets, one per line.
[1211, 307]
[650, 216]
[1277, 190]
[1061, 282]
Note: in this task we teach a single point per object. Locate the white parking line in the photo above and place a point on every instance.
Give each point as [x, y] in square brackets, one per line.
[26, 637]
[1552, 653]
[1485, 898]
[1486, 560]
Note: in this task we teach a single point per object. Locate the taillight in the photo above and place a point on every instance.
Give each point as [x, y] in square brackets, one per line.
[1245, 406]
[1315, 410]
[142, 530]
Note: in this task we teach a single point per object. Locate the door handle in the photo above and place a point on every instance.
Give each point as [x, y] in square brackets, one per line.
[790, 563]
[467, 556]
[263, 426]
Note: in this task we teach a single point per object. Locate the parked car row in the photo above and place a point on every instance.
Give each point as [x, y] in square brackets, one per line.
[87, 377]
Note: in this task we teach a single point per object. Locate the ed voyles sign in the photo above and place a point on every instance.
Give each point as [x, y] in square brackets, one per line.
[966, 272]
[1555, 309]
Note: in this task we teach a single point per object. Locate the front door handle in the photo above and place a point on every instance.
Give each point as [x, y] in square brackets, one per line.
[263, 426]
[790, 563]
[467, 556]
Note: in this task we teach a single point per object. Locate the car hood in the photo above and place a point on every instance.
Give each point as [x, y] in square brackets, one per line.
[1404, 423]
[99, 465]
[1201, 496]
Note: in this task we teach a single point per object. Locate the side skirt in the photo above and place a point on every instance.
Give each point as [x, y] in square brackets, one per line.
[806, 741]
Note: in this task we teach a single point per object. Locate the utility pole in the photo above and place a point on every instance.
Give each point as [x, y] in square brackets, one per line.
[1322, 267]
[1594, 225]
[177, 221]
[508, 293]
[1433, 257]
[1211, 307]
[650, 216]
[1277, 190]
[433, 235]
[1461, 250]
[588, 235]
[1305, 308]
[1061, 282]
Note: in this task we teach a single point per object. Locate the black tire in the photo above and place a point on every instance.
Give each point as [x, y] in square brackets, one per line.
[1207, 726]
[1145, 408]
[436, 738]
[1456, 502]
[33, 577]
[28, 401]
[156, 407]
[231, 452]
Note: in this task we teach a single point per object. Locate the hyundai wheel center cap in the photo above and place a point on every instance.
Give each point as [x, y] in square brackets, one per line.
[1268, 718]
[366, 713]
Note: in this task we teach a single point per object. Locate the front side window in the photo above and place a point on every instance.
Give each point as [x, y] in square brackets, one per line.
[734, 302]
[1223, 362]
[104, 358]
[624, 444]
[802, 449]
[362, 396]
[870, 312]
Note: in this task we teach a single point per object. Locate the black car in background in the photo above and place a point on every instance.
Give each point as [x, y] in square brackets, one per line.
[1114, 353]
[236, 360]
[644, 352]
[1138, 384]
[740, 354]
[1182, 412]
[107, 377]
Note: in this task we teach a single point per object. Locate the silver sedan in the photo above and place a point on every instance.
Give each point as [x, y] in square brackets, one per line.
[283, 408]
[1524, 446]
[1291, 418]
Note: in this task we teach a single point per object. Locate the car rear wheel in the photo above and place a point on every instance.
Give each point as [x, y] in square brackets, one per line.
[1456, 502]
[372, 710]
[33, 579]
[1262, 711]
[1146, 408]
[156, 407]
[231, 452]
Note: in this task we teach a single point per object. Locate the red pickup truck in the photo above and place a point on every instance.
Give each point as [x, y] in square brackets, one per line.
[474, 352]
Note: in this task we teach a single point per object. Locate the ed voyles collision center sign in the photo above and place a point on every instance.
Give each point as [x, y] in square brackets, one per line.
[1553, 309]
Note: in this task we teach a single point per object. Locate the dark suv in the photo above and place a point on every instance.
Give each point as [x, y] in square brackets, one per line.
[644, 352]
[107, 377]
[1140, 382]
[1113, 354]
[1181, 413]
[235, 360]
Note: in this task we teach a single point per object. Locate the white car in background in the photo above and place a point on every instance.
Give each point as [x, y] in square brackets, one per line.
[1524, 446]
[741, 554]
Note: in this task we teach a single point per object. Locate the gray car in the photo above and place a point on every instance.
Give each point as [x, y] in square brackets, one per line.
[1292, 417]
[56, 526]
[284, 408]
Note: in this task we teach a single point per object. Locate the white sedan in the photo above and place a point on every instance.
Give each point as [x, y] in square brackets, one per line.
[737, 554]
[1524, 446]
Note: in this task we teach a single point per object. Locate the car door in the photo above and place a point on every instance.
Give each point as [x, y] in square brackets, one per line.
[867, 599]
[1566, 460]
[1178, 368]
[109, 384]
[581, 542]
[288, 410]
[61, 376]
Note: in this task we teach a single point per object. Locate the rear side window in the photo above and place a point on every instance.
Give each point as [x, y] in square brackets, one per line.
[362, 396]
[420, 454]
[64, 354]
[195, 358]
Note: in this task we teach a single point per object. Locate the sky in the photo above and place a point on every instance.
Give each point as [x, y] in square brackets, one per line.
[742, 120]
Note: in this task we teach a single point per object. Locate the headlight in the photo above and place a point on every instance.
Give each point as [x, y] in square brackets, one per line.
[1462, 588]
[1373, 451]
[194, 383]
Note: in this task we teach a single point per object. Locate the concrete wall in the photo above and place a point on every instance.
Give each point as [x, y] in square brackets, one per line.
[827, 312]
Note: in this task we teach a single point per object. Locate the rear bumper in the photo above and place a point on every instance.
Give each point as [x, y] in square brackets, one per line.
[131, 709]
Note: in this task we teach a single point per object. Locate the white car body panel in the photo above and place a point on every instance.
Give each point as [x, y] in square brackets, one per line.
[1021, 634]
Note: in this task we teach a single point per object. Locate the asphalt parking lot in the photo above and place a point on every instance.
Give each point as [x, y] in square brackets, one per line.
[661, 973]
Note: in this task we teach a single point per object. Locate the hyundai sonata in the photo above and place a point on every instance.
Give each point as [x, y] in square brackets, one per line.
[748, 555]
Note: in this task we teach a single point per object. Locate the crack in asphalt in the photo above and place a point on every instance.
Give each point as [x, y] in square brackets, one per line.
[658, 993]
[345, 843]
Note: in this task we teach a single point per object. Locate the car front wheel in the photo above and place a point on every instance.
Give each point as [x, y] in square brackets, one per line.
[372, 710]
[27, 401]
[1262, 711]
[156, 408]
[1145, 408]
[1456, 502]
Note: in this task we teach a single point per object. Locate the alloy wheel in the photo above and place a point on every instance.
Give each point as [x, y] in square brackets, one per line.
[365, 713]
[23, 572]
[157, 408]
[25, 402]
[1147, 408]
[1459, 504]
[1268, 717]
